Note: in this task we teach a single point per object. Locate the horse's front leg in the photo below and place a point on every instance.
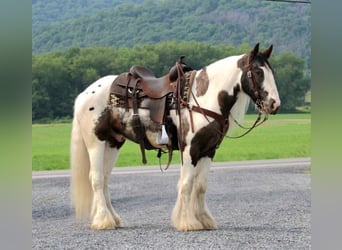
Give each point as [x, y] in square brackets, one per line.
[202, 212]
[101, 216]
[183, 216]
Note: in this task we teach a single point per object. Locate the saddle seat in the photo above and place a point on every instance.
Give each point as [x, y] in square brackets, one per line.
[152, 86]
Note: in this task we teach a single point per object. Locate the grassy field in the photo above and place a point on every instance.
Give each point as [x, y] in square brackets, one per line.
[282, 136]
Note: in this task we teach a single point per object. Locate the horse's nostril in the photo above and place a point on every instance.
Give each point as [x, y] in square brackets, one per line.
[274, 106]
[274, 111]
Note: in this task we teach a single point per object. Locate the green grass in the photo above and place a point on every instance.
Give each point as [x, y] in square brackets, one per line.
[282, 136]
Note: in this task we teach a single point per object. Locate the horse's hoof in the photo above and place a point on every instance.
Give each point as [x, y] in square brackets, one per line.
[209, 225]
[208, 222]
[190, 228]
[194, 225]
[118, 222]
[103, 222]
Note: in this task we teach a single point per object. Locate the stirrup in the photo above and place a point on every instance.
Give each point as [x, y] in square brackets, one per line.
[162, 137]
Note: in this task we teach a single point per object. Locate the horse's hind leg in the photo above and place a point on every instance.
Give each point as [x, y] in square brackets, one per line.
[101, 216]
[183, 216]
[110, 157]
[202, 213]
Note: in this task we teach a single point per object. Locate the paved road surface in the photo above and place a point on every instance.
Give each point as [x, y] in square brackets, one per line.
[257, 205]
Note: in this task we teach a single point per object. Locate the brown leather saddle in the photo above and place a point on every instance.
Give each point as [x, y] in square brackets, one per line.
[141, 89]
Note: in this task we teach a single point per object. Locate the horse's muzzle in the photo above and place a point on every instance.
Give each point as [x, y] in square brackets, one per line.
[274, 106]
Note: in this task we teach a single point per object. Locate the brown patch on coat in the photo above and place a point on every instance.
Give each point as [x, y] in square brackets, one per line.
[207, 139]
[205, 142]
[202, 82]
[242, 62]
[105, 129]
[227, 101]
[171, 130]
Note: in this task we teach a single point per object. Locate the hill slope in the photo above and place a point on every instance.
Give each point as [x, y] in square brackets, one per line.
[61, 24]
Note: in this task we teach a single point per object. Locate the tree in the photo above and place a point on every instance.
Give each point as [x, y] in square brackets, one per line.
[51, 87]
[292, 85]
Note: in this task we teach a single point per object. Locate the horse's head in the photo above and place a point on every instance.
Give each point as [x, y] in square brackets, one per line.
[257, 80]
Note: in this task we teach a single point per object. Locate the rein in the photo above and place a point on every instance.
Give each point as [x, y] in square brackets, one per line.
[256, 124]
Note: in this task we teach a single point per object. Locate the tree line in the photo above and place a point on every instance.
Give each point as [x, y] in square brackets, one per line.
[58, 77]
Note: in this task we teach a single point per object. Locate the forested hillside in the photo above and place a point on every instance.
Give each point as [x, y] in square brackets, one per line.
[61, 24]
[51, 11]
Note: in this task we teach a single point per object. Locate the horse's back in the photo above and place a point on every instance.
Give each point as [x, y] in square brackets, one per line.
[94, 98]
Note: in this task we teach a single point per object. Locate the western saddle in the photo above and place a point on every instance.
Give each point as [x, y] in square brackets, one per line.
[140, 88]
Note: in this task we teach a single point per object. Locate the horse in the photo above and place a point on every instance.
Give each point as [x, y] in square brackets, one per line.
[218, 95]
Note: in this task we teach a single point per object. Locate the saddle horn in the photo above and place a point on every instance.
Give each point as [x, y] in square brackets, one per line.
[173, 74]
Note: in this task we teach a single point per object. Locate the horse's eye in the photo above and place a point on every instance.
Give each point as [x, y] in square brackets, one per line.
[259, 72]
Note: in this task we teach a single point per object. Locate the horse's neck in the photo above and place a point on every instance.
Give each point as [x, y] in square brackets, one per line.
[239, 109]
[224, 75]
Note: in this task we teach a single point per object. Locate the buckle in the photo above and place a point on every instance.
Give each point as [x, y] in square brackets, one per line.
[249, 74]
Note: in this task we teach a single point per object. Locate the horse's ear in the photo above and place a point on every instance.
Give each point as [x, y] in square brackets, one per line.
[267, 53]
[254, 52]
[256, 48]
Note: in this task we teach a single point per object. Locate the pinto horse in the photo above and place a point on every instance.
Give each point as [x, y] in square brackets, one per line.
[220, 95]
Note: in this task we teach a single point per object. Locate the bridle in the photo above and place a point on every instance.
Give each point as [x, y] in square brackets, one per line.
[253, 84]
[258, 102]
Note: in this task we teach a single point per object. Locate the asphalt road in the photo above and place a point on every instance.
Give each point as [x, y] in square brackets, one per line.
[257, 205]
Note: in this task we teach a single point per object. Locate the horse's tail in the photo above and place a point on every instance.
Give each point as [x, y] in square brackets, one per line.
[81, 191]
